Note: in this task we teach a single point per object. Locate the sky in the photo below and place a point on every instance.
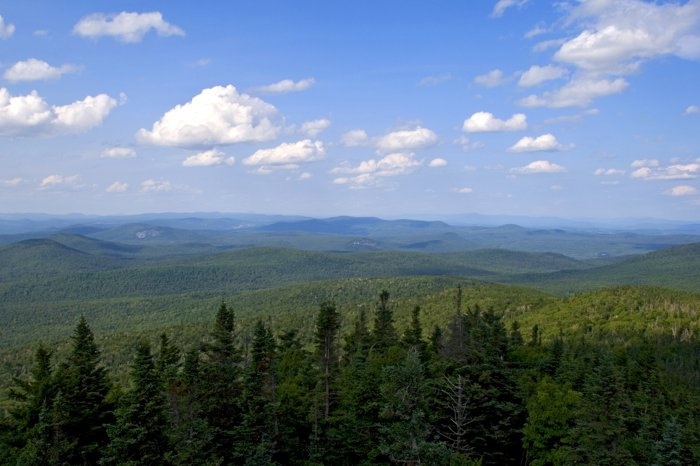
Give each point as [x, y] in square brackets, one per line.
[572, 109]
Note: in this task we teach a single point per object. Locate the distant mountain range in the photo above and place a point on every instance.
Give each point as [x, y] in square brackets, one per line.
[210, 232]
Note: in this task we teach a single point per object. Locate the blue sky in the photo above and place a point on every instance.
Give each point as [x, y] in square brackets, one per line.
[580, 109]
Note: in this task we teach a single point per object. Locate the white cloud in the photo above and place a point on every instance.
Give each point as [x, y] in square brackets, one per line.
[539, 29]
[118, 153]
[539, 166]
[287, 85]
[208, 158]
[502, 5]
[545, 143]
[404, 140]
[11, 182]
[682, 190]
[314, 127]
[538, 74]
[491, 79]
[30, 114]
[578, 92]
[572, 118]
[55, 181]
[126, 27]
[41, 33]
[36, 70]
[354, 138]
[216, 116]
[467, 143]
[435, 80]
[618, 35]
[645, 163]
[370, 172]
[464, 190]
[608, 172]
[117, 187]
[305, 176]
[481, 122]
[6, 29]
[287, 155]
[691, 110]
[152, 185]
[438, 162]
[647, 170]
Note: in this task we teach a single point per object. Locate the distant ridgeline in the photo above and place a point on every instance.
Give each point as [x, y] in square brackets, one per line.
[480, 374]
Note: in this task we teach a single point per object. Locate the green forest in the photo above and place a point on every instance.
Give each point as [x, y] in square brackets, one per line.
[356, 388]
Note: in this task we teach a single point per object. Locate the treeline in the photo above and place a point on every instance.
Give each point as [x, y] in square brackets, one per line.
[474, 392]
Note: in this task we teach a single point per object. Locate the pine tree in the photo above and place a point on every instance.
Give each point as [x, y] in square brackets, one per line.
[139, 435]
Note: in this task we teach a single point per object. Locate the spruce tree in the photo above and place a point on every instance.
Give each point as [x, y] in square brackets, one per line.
[82, 414]
[139, 435]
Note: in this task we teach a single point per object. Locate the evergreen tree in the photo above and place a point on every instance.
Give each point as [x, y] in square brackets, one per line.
[139, 435]
[220, 386]
[82, 414]
[259, 428]
[384, 333]
[327, 326]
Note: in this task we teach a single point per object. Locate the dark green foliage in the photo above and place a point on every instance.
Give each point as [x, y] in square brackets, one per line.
[81, 411]
[581, 391]
[139, 434]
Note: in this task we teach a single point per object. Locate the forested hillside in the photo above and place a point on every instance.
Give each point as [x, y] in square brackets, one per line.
[471, 390]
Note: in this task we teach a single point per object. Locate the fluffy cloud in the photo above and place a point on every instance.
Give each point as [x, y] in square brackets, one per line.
[691, 110]
[545, 143]
[404, 140]
[502, 5]
[608, 172]
[117, 187]
[55, 181]
[216, 116]
[6, 29]
[315, 127]
[682, 190]
[118, 153]
[491, 79]
[539, 166]
[35, 70]
[578, 92]
[126, 27]
[287, 85]
[151, 185]
[619, 34]
[651, 170]
[438, 162]
[481, 122]
[538, 74]
[287, 155]
[370, 172]
[208, 158]
[354, 138]
[30, 114]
